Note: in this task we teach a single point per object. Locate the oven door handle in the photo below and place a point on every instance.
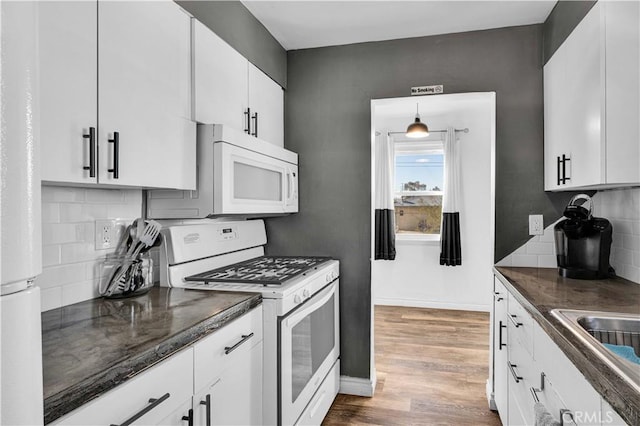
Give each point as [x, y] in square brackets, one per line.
[321, 297]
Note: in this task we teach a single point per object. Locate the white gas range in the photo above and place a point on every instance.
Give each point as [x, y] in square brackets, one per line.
[300, 306]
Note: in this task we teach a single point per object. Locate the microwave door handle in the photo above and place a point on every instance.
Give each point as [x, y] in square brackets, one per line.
[290, 189]
[294, 188]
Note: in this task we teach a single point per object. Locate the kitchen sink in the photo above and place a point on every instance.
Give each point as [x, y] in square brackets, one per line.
[596, 329]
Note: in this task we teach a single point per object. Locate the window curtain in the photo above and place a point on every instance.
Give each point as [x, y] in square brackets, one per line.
[385, 236]
[450, 249]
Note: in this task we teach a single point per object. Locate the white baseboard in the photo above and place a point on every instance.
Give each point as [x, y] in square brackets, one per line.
[431, 304]
[357, 385]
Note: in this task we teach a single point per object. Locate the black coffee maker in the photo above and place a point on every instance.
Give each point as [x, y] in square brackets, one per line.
[583, 242]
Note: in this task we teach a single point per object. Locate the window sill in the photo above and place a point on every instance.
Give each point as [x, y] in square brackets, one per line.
[426, 240]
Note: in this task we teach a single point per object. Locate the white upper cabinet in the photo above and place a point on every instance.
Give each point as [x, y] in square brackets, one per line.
[592, 95]
[116, 79]
[68, 61]
[266, 98]
[230, 90]
[221, 90]
[623, 91]
[146, 132]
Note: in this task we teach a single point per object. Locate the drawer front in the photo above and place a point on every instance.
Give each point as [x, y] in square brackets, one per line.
[521, 376]
[520, 324]
[321, 402]
[172, 376]
[210, 354]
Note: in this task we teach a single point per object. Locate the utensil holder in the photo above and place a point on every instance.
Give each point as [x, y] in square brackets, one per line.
[121, 276]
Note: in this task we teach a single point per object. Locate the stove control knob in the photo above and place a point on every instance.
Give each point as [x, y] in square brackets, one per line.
[329, 277]
[297, 299]
[306, 292]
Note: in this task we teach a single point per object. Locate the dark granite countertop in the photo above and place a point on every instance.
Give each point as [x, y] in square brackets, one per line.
[91, 347]
[541, 289]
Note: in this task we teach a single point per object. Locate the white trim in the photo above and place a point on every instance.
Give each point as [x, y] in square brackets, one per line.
[358, 386]
[429, 239]
[413, 303]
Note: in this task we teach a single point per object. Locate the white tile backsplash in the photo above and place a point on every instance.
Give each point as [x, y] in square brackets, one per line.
[622, 208]
[538, 252]
[70, 262]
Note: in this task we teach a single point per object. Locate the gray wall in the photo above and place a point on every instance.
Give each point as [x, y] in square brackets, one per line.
[237, 26]
[561, 21]
[328, 124]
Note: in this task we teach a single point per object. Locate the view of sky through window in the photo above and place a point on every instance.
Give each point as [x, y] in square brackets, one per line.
[427, 169]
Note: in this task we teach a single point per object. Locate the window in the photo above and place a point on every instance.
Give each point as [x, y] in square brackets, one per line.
[418, 187]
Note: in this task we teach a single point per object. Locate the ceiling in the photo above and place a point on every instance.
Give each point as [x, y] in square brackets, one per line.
[395, 114]
[302, 24]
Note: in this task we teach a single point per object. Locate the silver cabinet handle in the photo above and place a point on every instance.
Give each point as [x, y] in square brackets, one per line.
[512, 367]
[229, 349]
[534, 394]
[153, 403]
[514, 321]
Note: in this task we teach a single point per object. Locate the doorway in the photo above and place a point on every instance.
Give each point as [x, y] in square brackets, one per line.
[415, 278]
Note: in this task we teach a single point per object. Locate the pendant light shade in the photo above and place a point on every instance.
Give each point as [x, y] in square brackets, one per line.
[417, 129]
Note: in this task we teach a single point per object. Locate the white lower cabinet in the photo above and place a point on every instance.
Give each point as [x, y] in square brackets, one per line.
[535, 367]
[228, 374]
[570, 397]
[146, 399]
[174, 392]
[235, 397]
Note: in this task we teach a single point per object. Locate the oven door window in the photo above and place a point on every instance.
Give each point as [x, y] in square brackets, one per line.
[312, 339]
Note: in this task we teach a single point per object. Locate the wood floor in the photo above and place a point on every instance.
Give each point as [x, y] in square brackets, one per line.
[432, 366]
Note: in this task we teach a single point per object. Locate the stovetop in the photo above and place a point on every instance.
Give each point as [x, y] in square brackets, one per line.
[264, 270]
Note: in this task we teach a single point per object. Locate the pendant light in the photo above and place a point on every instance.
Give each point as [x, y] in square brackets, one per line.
[417, 129]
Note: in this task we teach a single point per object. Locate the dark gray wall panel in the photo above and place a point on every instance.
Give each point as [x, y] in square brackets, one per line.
[561, 21]
[327, 107]
[237, 26]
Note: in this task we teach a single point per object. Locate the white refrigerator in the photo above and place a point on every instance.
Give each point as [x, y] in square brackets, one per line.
[21, 397]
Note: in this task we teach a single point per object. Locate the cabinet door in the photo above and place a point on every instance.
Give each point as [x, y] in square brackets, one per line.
[623, 91]
[144, 95]
[500, 379]
[236, 398]
[266, 99]
[68, 69]
[220, 73]
[556, 136]
[585, 94]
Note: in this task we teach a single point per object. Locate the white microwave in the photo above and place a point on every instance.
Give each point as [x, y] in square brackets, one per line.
[237, 174]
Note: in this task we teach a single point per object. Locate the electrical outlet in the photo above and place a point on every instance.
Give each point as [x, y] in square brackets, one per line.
[536, 224]
[107, 233]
